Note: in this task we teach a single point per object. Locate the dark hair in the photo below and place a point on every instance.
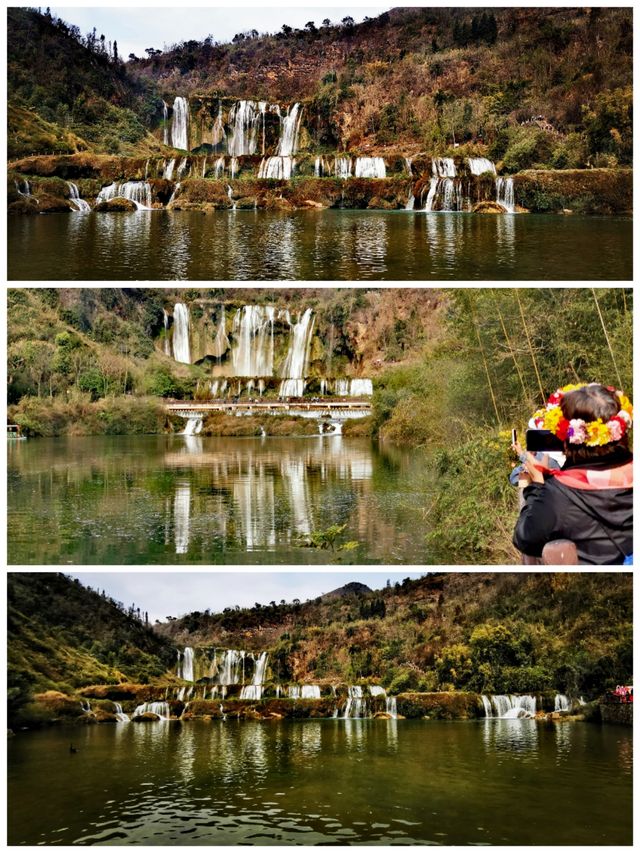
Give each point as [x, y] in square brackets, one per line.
[588, 404]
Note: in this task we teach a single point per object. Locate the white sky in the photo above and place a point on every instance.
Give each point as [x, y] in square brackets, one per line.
[137, 28]
[176, 593]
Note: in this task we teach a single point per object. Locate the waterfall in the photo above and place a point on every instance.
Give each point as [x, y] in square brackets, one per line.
[229, 671]
[182, 167]
[181, 347]
[562, 703]
[377, 690]
[310, 691]
[353, 387]
[342, 167]
[235, 163]
[277, 168]
[293, 692]
[292, 388]
[74, 196]
[23, 188]
[254, 690]
[120, 715]
[356, 705]
[168, 170]
[86, 706]
[443, 167]
[167, 342]
[505, 194]
[370, 167]
[252, 353]
[185, 664]
[288, 144]
[218, 133]
[295, 364]
[411, 201]
[139, 192]
[193, 426]
[219, 168]
[392, 707]
[160, 709]
[180, 124]
[244, 120]
[480, 165]
[448, 190]
[165, 120]
[488, 710]
[221, 341]
[512, 707]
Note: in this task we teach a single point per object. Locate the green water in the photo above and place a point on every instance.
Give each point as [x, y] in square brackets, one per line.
[187, 499]
[331, 781]
[317, 245]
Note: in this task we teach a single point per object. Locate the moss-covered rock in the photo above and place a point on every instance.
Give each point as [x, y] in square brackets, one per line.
[488, 207]
[115, 205]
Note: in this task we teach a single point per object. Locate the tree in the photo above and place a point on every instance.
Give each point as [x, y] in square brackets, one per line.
[310, 26]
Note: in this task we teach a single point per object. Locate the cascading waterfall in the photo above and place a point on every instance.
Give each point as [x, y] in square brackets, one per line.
[219, 168]
[218, 133]
[168, 170]
[181, 323]
[181, 168]
[277, 168]
[160, 709]
[392, 707]
[342, 167]
[505, 194]
[310, 691]
[139, 192]
[244, 120]
[252, 353]
[120, 715]
[488, 708]
[370, 167]
[165, 121]
[254, 690]
[86, 706]
[81, 205]
[510, 707]
[193, 426]
[185, 664]
[377, 690]
[167, 342]
[353, 387]
[288, 144]
[295, 365]
[356, 705]
[23, 187]
[562, 703]
[180, 124]
[480, 165]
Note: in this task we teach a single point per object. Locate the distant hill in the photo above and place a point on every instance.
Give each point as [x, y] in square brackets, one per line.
[353, 588]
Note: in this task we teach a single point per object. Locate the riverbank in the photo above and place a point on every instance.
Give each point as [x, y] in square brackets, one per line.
[143, 704]
[206, 183]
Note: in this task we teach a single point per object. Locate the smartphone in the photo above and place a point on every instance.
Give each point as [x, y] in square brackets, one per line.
[514, 436]
[542, 440]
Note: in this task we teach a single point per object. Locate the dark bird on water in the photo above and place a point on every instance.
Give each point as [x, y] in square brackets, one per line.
[72, 748]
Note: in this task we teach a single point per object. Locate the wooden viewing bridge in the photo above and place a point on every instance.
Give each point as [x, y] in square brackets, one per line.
[331, 409]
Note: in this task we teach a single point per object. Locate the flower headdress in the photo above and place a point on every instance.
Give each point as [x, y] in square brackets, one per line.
[577, 431]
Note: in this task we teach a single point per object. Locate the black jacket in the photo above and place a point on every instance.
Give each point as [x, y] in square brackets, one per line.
[599, 521]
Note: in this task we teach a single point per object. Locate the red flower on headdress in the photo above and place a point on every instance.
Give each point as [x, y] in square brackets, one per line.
[562, 430]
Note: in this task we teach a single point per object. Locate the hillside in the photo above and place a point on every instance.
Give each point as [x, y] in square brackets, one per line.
[63, 635]
[527, 86]
[467, 633]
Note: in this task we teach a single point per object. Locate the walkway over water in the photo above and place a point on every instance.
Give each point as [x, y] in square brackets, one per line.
[333, 409]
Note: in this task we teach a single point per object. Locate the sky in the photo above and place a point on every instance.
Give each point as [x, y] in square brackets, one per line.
[137, 28]
[175, 593]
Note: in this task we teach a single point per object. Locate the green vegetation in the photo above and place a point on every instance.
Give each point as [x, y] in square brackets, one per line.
[446, 632]
[62, 636]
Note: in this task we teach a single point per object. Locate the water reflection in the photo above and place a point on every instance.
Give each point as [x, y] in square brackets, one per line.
[317, 245]
[517, 736]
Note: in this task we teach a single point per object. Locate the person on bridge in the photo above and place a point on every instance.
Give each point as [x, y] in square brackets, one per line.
[590, 500]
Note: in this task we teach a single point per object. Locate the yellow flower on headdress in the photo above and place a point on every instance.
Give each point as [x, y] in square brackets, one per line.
[625, 404]
[552, 417]
[597, 433]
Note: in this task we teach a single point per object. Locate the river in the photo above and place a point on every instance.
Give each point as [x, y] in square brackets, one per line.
[189, 499]
[508, 782]
[327, 245]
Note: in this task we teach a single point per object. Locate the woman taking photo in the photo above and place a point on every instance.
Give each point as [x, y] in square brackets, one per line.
[590, 500]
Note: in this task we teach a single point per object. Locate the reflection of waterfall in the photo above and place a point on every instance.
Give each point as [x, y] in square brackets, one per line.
[294, 470]
[180, 124]
[182, 516]
[181, 346]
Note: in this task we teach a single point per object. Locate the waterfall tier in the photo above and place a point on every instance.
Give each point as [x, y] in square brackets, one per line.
[139, 192]
[508, 707]
[160, 709]
[80, 204]
[180, 124]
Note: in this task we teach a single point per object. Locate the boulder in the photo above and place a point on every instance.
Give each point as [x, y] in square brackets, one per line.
[115, 205]
[488, 207]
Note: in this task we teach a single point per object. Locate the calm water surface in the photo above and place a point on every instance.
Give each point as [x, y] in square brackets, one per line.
[317, 245]
[331, 781]
[187, 499]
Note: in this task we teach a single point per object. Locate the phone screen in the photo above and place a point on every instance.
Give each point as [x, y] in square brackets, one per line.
[543, 440]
